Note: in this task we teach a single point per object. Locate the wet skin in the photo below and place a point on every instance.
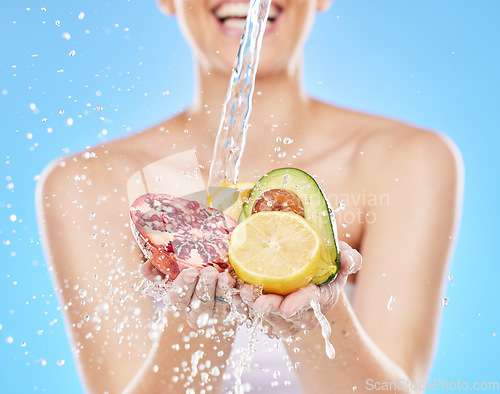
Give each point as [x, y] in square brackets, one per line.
[89, 244]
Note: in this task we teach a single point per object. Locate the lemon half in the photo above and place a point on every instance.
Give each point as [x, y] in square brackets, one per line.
[276, 250]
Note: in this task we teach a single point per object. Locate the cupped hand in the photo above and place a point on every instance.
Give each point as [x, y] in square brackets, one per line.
[199, 295]
[289, 315]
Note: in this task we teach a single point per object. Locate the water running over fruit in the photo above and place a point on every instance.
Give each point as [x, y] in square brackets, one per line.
[231, 136]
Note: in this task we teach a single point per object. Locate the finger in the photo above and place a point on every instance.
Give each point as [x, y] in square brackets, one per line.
[151, 273]
[344, 245]
[350, 259]
[248, 294]
[181, 291]
[328, 296]
[306, 320]
[203, 299]
[298, 300]
[224, 290]
[297, 303]
[268, 303]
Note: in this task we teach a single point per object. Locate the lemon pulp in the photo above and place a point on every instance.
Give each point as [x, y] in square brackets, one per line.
[276, 250]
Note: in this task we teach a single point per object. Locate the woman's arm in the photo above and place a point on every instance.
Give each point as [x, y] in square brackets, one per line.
[95, 262]
[406, 252]
[92, 258]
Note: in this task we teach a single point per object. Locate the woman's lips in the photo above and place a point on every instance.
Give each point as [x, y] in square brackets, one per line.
[231, 17]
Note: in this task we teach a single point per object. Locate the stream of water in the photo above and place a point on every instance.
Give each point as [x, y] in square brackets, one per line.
[230, 141]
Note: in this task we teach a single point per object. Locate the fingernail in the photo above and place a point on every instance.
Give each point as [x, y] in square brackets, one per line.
[207, 279]
[190, 276]
[261, 308]
[223, 281]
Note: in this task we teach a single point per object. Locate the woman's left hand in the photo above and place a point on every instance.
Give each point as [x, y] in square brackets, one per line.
[288, 315]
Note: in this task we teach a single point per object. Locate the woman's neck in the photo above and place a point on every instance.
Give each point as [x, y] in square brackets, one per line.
[276, 96]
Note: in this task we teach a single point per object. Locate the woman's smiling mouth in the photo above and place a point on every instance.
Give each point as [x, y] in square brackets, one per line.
[231, 16]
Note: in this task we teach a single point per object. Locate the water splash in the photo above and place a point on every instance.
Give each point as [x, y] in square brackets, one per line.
[390, 303]
[326, 329]
[242, 363]
[230, 141]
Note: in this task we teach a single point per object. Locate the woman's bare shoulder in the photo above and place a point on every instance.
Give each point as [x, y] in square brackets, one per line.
[379, 140]
[396, 144]
[109, 165]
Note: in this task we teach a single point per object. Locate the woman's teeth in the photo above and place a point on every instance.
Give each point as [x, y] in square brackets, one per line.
[232, 10]
[233, 15]
[235, 23]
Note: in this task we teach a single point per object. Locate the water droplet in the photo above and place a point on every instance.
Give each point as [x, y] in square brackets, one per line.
[43, 362]
[494, 334]
[23, 344]
[72, 52]
[450, 278]
[66, 35]
[83, 293]
[60, 362]
[58, 23]
[13, 218]
[155, 368]
[9, 340]
[202, 320]
[81, 15]
[278, 139]
[390, 303]
[287, 140]
[43, 9]
[445, 301]
[69, 121]
[99, 108]
[61, 111]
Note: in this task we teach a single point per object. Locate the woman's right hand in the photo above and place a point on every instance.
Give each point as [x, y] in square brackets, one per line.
[199, 295]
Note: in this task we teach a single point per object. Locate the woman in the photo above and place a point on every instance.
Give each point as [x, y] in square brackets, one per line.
[401, 187]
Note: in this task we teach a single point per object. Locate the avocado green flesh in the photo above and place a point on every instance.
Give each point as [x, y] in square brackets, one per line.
[317, 212]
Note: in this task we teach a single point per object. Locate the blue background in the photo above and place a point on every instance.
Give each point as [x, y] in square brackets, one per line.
[431, 63]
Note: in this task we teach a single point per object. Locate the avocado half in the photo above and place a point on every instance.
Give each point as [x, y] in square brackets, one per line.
[317, 212]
